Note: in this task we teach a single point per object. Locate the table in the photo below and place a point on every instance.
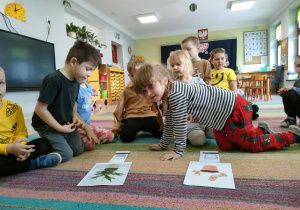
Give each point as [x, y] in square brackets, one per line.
[255, 73]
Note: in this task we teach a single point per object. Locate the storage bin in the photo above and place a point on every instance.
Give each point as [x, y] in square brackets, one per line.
[103, 93]
[102, 77]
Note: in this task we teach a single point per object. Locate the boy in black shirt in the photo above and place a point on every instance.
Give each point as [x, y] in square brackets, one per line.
[55, 115]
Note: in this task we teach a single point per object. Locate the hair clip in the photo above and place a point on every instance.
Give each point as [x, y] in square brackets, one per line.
[166, 95]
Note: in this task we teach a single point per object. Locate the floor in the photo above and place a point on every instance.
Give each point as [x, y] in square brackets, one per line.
[111, 108]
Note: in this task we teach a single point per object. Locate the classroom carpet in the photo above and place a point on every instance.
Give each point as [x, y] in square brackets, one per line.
[266, 180]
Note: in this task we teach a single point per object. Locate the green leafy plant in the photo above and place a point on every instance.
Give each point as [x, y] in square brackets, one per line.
[83, 34]
[67, 3]
[71, 27]
[108, 173]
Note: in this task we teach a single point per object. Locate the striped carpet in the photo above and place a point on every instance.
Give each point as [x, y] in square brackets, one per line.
[267, 180]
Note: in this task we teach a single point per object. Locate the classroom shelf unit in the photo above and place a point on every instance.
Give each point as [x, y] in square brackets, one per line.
[110, 81]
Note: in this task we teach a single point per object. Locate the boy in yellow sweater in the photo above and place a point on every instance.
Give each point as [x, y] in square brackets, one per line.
[16, 153]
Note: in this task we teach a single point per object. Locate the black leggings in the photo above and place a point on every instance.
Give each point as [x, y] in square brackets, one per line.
[291, 103]
[131, 126]
[9, 164]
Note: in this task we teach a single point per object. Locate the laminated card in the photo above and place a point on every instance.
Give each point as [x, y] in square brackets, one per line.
[204, 174]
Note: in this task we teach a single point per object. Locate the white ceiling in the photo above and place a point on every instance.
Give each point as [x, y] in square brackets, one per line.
[176, 18]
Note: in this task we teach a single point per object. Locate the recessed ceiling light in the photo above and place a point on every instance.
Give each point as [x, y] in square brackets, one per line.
[242, 5]
[147, 18]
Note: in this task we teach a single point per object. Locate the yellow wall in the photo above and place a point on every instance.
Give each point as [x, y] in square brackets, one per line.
[150, 48]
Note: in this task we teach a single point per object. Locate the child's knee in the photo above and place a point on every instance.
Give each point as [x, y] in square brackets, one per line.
[197, 137]
[66, 155]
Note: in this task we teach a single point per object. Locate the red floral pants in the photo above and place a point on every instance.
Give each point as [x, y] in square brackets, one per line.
[239, 132]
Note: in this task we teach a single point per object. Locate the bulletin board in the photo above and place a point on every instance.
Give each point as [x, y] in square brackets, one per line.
[255, 46]
[284, 53]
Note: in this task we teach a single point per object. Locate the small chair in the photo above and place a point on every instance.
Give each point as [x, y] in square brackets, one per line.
[257, 84]
[278, 78]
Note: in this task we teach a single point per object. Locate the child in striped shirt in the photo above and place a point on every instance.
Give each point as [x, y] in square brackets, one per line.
[228, 113]
[182, 68]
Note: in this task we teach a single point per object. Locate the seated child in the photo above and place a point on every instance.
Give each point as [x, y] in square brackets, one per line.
[225, 111]
[255, 108]
[221, 76]
[16, 153]
[202, 67]
[182, 68]
[55, 116]
[134, 112]
[89, 134]
[291, 100]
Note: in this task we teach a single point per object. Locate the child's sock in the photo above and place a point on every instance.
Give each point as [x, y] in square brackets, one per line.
[49, 160]
[297, 138]
[296, 131]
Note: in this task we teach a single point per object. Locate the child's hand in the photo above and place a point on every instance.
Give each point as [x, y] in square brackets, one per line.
[91, 135]
[77, 122]
[67, 128]
[170, 156]
[19, 150]
[249, 102]
[283, 90]
[154, 147]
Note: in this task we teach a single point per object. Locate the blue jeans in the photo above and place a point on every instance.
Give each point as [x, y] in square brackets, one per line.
[66, 144]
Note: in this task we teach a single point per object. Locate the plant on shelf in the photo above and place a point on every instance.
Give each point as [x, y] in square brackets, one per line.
[66, 3]
[93, 39]
[83, 34]
[72, 30]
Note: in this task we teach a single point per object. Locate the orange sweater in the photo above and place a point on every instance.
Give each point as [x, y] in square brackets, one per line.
[131, 105]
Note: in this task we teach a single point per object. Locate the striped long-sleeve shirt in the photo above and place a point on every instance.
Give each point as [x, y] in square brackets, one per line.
[209, 105]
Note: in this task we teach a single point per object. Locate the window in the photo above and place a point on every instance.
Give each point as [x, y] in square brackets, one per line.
[298, 32]
[278, 39]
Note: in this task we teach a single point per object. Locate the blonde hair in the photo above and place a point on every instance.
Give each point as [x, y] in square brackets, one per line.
[181, 55]
[194, 40]
[150, 73]
[133, 65]
[215, 51]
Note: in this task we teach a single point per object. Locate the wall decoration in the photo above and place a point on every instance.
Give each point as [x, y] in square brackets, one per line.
[203, 34]
[129, 50]
[15, 10]
[284, 53]
[255, 46]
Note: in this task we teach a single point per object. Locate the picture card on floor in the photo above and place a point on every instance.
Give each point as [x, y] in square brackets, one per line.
[209, 156]
[106, 174]
[218, 175]
[118, 158]
[122, 152]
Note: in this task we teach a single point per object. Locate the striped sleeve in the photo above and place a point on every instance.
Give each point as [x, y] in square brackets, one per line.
[178, 123]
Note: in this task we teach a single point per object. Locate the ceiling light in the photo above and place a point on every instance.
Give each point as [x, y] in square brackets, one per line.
[242, 5]
[147, 18]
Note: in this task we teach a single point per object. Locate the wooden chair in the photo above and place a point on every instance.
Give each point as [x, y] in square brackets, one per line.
[257, 85]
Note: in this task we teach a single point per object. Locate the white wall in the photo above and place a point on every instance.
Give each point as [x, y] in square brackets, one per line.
[287, 18]
[36, 26]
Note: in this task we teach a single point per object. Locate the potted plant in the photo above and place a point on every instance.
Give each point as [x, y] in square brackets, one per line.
[83, 34]
[72, 30]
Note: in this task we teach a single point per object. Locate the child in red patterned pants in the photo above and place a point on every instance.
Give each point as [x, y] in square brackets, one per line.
[90, 134]
[239, 132]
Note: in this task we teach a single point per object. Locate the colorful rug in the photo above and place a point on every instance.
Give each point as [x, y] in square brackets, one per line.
[266, 180]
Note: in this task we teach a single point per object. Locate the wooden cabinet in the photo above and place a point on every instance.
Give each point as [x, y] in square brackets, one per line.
[110, 81]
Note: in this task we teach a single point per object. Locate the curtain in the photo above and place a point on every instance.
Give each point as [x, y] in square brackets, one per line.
[228, 44]
[205, 48]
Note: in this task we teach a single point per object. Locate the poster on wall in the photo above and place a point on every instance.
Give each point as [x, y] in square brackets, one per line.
[255, 44]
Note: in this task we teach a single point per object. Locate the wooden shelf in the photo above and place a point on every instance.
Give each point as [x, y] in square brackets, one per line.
[115, 83]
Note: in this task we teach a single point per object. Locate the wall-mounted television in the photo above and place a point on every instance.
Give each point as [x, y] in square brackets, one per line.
[26, 61]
